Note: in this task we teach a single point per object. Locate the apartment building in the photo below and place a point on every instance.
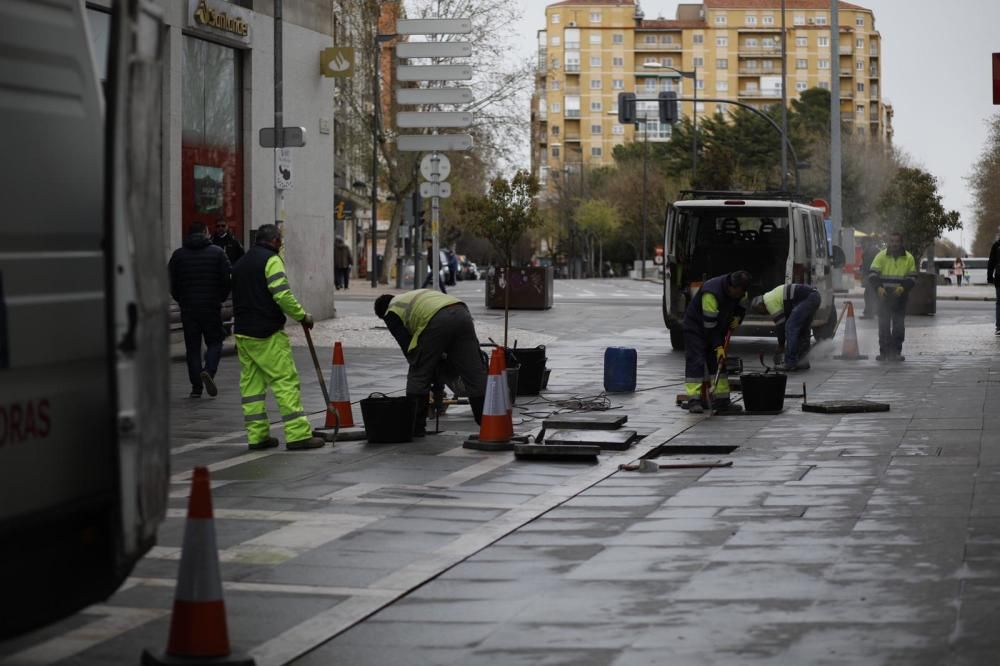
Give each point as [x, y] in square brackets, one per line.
[592, 50]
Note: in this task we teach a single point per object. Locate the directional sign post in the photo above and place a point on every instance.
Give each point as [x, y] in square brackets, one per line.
[435, 168]
[408, 119]
[425, 143]
[434, 96]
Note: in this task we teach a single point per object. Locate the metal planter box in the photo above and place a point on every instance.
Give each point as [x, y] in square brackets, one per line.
[530, 288]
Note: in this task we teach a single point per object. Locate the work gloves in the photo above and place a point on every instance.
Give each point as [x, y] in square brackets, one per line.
[720, 353]
[898, 290]
[308, 321]
[881, 292]
[734, 323]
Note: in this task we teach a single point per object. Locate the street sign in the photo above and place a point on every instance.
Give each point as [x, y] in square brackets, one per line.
[433, 119]
[291, 137]
[337, 62]
[433, 50]
[427, 143]
[658, 255]
[343, 210]
[433, 73]
[442, 190]
[434, 95]
[435, 167]
[824, 204]
[283, 175]
[461, 26]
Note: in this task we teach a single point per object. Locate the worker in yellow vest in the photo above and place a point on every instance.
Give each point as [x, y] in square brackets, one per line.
[429, 325]
[893, 273]
[792, 308]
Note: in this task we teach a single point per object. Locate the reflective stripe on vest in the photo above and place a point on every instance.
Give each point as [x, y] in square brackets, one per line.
[416, 308]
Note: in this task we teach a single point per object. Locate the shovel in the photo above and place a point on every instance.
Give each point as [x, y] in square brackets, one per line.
[319, 375]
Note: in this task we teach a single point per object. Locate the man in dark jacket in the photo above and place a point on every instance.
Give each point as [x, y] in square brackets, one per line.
[199, 282]
[342, 262]
[719, 305]
[261, 299]
[993, 277]
[225, 239]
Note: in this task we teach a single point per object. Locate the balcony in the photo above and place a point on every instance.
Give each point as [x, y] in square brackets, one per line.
[759, 51]
[846, 93]
[572, 45]
[846, 73]
[572, 137]
[873, 52]
[757, 71]
[846, 49]
[759, 28]
[846, 117]
[572, 113]
[758, 94]
[659, 46]
[572, 68]
[873, 73]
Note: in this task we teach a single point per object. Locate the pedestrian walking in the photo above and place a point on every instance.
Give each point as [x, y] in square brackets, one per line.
[993, 277]
[262, 298]
[429, 325]
[959, 270]
[893, 273]
[224, 238]
[199, 282]
[342, 262]
[720, 304]
[792, 308]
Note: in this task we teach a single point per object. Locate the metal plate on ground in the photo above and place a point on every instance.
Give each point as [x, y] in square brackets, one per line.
[554, 452]
[613, 440]
[845, 407]
[586, 421]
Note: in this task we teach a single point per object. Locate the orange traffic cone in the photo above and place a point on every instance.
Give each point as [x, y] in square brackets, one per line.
[496, 425]
[340, 395]
[851, 350]
[198, 629]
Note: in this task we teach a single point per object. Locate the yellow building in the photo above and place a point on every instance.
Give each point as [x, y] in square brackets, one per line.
[592, 50]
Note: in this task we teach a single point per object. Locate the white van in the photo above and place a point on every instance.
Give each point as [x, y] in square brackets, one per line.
[777, 238]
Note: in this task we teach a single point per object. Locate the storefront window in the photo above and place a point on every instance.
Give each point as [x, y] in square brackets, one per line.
[211, 141]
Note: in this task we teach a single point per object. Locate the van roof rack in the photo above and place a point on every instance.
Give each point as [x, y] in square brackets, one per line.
[734, 194]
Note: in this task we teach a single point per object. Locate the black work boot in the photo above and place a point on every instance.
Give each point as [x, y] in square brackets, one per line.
[419, 413]
[476, 403]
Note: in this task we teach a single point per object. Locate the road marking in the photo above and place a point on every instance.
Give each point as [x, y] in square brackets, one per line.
[115, 622]
[275, 588]
[181, 477]
[461, 476]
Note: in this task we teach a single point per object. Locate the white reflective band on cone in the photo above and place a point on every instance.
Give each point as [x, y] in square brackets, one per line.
[496, 397]
[199, 578]
[339, 391]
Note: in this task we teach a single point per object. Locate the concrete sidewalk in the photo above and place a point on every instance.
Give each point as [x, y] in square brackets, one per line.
[854, 539]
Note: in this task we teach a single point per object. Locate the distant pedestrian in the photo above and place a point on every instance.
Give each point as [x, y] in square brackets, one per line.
[442, 263]
[993, 277]
[428, 325]
[199, 282]
[342, 262]
[893, 274]
[792, 307]
[719, 305]
[261, 299]
[959, 270]
[224, 238]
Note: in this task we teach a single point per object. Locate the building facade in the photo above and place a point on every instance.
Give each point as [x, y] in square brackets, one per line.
[592, 50]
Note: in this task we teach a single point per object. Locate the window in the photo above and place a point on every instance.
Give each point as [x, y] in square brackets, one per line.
[801, 85]
[595, 129]
[700, 107]
[573, 61]
[722, 41]
[700, 84]
[650, 39]
[860, 109]
[718, 109]
[823, 63]
[651, 61]
[720, 19]
[595, 17]
[825, 85]
[595, 84]
[618, 38]
[555, 107]
[860, 65]
[751, 42]
[768, 42]
[859, 21]
[668, 62]
[751, 65]
[617, 61]
[861, 87]
[823, 41]
[617, 129]
[596, 151]
[860, 44]
[555, 63]
[721, 86]
[699, 62]
[555, 18]
[572, 103]
[799, 19]
[650, 85]
[595, 61]
[801, 41]
[618, 84]
[698, 38]
[554, 85]
[722, 63]
[572, 36]
[555, 130]
[556, 41]
[801, 63]
[555, 152]
[768, 65]
[768, 20]
[595, 106]
[595, 39]
[820, 19]
[751, 19]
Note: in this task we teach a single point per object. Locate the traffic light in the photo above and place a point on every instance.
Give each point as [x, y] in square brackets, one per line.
[626, 108]
[668, 107]
[418, 210]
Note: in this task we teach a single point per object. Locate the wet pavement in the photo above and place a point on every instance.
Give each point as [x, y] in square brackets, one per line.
[832, 539]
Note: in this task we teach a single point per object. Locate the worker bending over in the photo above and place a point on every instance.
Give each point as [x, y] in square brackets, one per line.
[719, 305]
[792, 307]
[427, 325]
[893, 273]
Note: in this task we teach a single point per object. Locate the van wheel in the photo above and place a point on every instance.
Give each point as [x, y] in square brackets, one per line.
[825, 332]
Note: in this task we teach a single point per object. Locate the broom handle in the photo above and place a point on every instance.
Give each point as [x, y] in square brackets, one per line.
[319, 372]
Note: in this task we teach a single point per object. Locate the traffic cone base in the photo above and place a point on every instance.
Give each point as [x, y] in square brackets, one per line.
[150, 659]
[851, 351]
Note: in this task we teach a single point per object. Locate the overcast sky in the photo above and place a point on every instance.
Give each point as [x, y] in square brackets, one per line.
[936, 72]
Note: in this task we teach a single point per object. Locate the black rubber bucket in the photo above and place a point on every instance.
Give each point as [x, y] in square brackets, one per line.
[388, 420]
[763, 392]
[531, 369]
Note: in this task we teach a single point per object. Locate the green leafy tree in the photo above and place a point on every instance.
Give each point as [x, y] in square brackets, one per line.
[986, 195]
[911, 205]
[502, 216]
[598, 220]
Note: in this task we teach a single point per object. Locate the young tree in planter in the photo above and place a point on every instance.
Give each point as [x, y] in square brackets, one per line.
[502, 216]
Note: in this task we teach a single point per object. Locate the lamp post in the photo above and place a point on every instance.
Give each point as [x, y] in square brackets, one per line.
[693, 75]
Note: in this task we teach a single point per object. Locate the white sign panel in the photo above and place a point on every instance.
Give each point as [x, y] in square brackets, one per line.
[461, 26]
[283, 175]
[442, 190]
[428, 143]
[433, 119]
[434, 95]
[433, 73]
[435, 167]
[433, 50]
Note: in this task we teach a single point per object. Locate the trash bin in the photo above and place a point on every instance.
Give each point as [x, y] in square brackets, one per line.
[531, 369]
[388, 419]
[764, 391]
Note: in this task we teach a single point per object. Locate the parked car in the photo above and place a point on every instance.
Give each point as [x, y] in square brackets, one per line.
[467, 270]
